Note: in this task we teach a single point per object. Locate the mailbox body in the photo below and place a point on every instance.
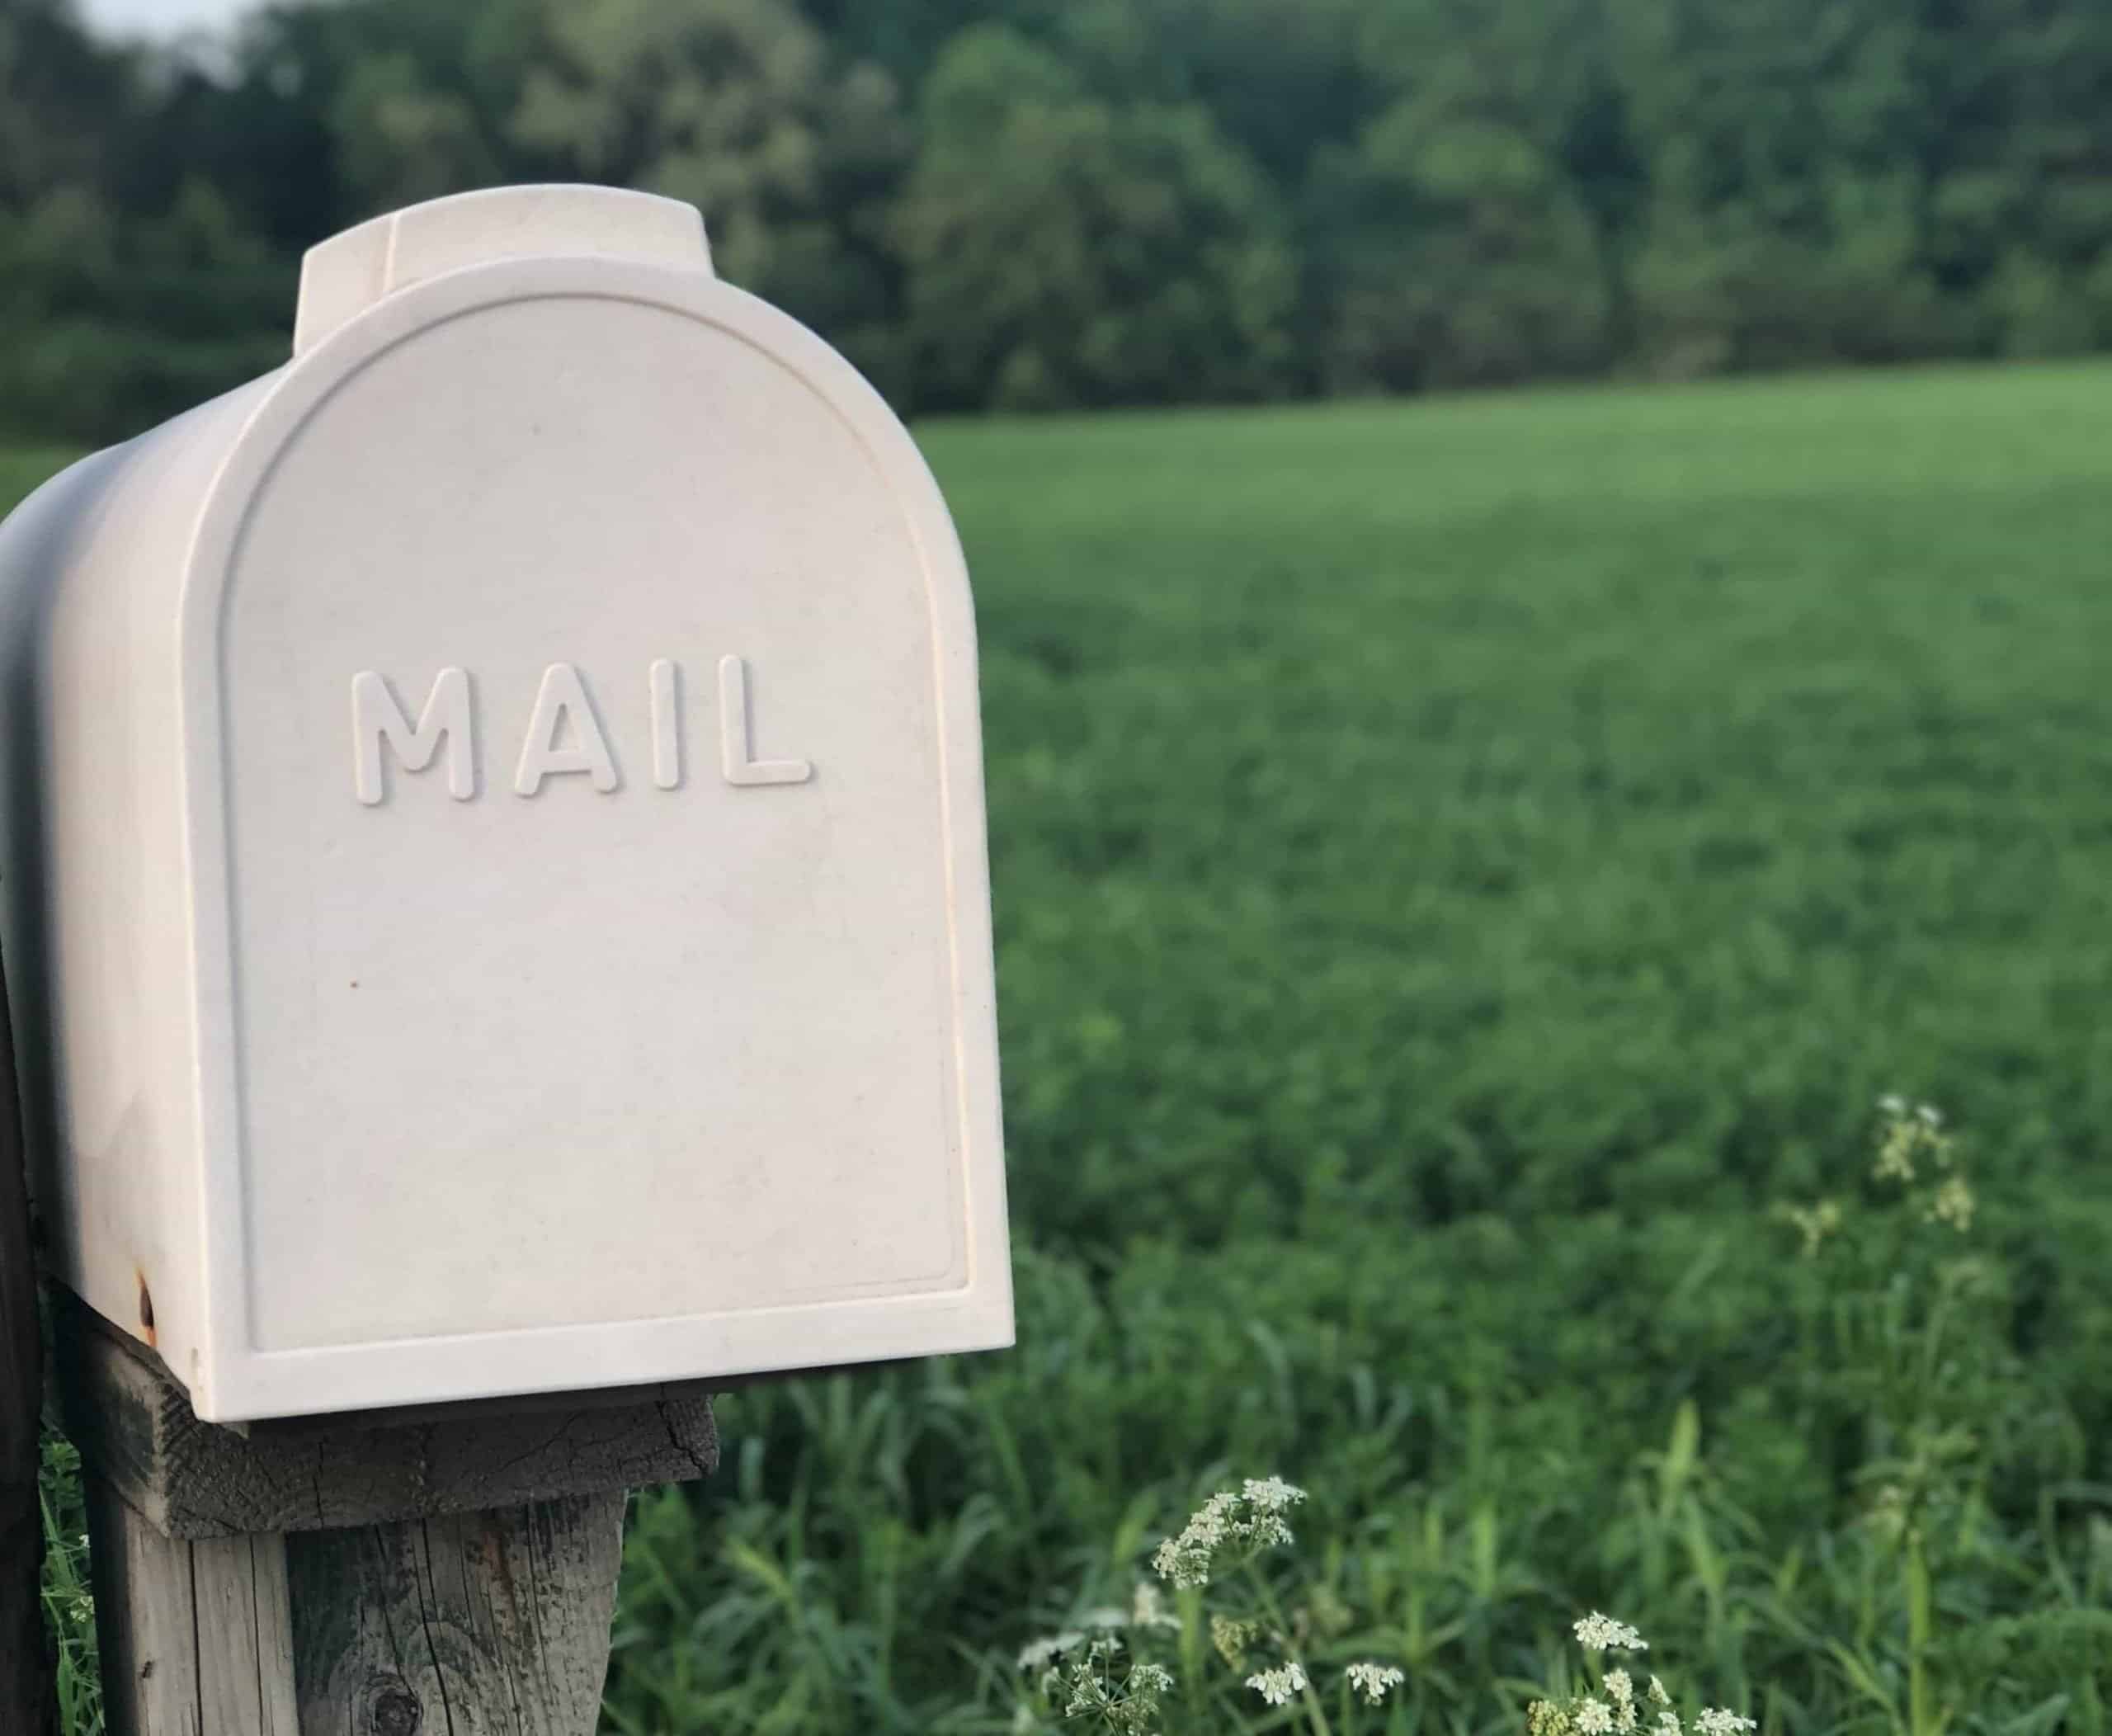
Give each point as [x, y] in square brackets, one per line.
[495, 870]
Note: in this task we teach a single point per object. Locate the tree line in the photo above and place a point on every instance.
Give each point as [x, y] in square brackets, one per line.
[1039, 204]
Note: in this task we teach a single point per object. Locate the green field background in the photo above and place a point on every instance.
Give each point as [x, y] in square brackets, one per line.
[1458, 867]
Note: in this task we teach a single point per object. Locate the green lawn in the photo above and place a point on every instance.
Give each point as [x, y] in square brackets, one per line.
[1458, 865]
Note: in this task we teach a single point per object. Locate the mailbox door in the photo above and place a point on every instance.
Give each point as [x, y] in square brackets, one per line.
[585, 792]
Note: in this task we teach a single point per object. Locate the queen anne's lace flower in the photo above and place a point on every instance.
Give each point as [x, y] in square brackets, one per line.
[1271, 1494]
[1252, 1518]
[1668, 1724]
[1716, 1721]
[1594, 1717]
[1277, 1686]
[1597, 1633]
[1373, 1680]
[1657, 1692]
[1953, 1204]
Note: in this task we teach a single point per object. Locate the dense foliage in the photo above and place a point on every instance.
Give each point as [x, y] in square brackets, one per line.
[1459, 868]
[1041, 203]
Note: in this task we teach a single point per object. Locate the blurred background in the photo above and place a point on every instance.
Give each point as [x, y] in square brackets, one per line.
[1466, 862]
[1042, 204]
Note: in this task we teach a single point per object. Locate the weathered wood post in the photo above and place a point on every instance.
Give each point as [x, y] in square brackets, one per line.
[374, 1576]
[494, 809]
[25, 1702]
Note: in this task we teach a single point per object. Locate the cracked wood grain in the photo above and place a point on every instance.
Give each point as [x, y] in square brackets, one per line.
[491, 1624]
[445, 1572]
[135, 1427]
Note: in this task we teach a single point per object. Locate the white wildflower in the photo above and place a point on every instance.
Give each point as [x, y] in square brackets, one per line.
[1373, 1681]
[1597, 1633]
[1928, 1115]
[1620, 1685]
[1953, 1204]
[1040, 1652]
[1891, 1104]
[1717, 1722]
[1657, 1692]
[1148, 1608]
[1271, 1494]
[1668, 1724]
[1252, 1517]
[1594, 1717]
[1277, 1686]
[1186, 1559]
[1150, 1678]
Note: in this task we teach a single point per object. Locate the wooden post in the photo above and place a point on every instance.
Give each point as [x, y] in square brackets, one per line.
[450, 1571]
[25, 1701]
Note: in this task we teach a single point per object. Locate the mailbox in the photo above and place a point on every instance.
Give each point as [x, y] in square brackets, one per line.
[496, 888]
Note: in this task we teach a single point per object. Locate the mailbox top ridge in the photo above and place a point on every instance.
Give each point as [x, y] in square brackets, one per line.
[342, 277]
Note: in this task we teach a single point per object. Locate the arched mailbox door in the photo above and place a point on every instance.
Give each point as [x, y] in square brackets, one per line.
[501, 872]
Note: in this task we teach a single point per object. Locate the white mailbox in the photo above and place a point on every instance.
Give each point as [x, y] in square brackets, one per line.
[497, 890]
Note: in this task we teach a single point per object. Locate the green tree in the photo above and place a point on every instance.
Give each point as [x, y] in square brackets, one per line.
[1457, 242]
[1062, 251]
[1460, 257]
[740, 107]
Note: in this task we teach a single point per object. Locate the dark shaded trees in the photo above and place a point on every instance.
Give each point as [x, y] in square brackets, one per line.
[1026, 203]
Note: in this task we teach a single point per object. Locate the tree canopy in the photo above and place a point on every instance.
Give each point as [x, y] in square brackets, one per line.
[1031, 204]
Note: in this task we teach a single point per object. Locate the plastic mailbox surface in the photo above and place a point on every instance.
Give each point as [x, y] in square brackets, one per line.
[495, 872]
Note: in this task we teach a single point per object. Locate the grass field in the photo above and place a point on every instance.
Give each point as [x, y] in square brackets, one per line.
[1458, 867]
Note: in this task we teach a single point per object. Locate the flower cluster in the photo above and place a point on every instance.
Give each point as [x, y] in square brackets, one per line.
[1597, 1633]
[1088, 1673]
[1373, 1681]
[1278, 1685]
[1911, 1135]
[1907, 1133]
[1615, 1710]
[1089, 1687]
[1952, 1203]
[1247, 1520]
